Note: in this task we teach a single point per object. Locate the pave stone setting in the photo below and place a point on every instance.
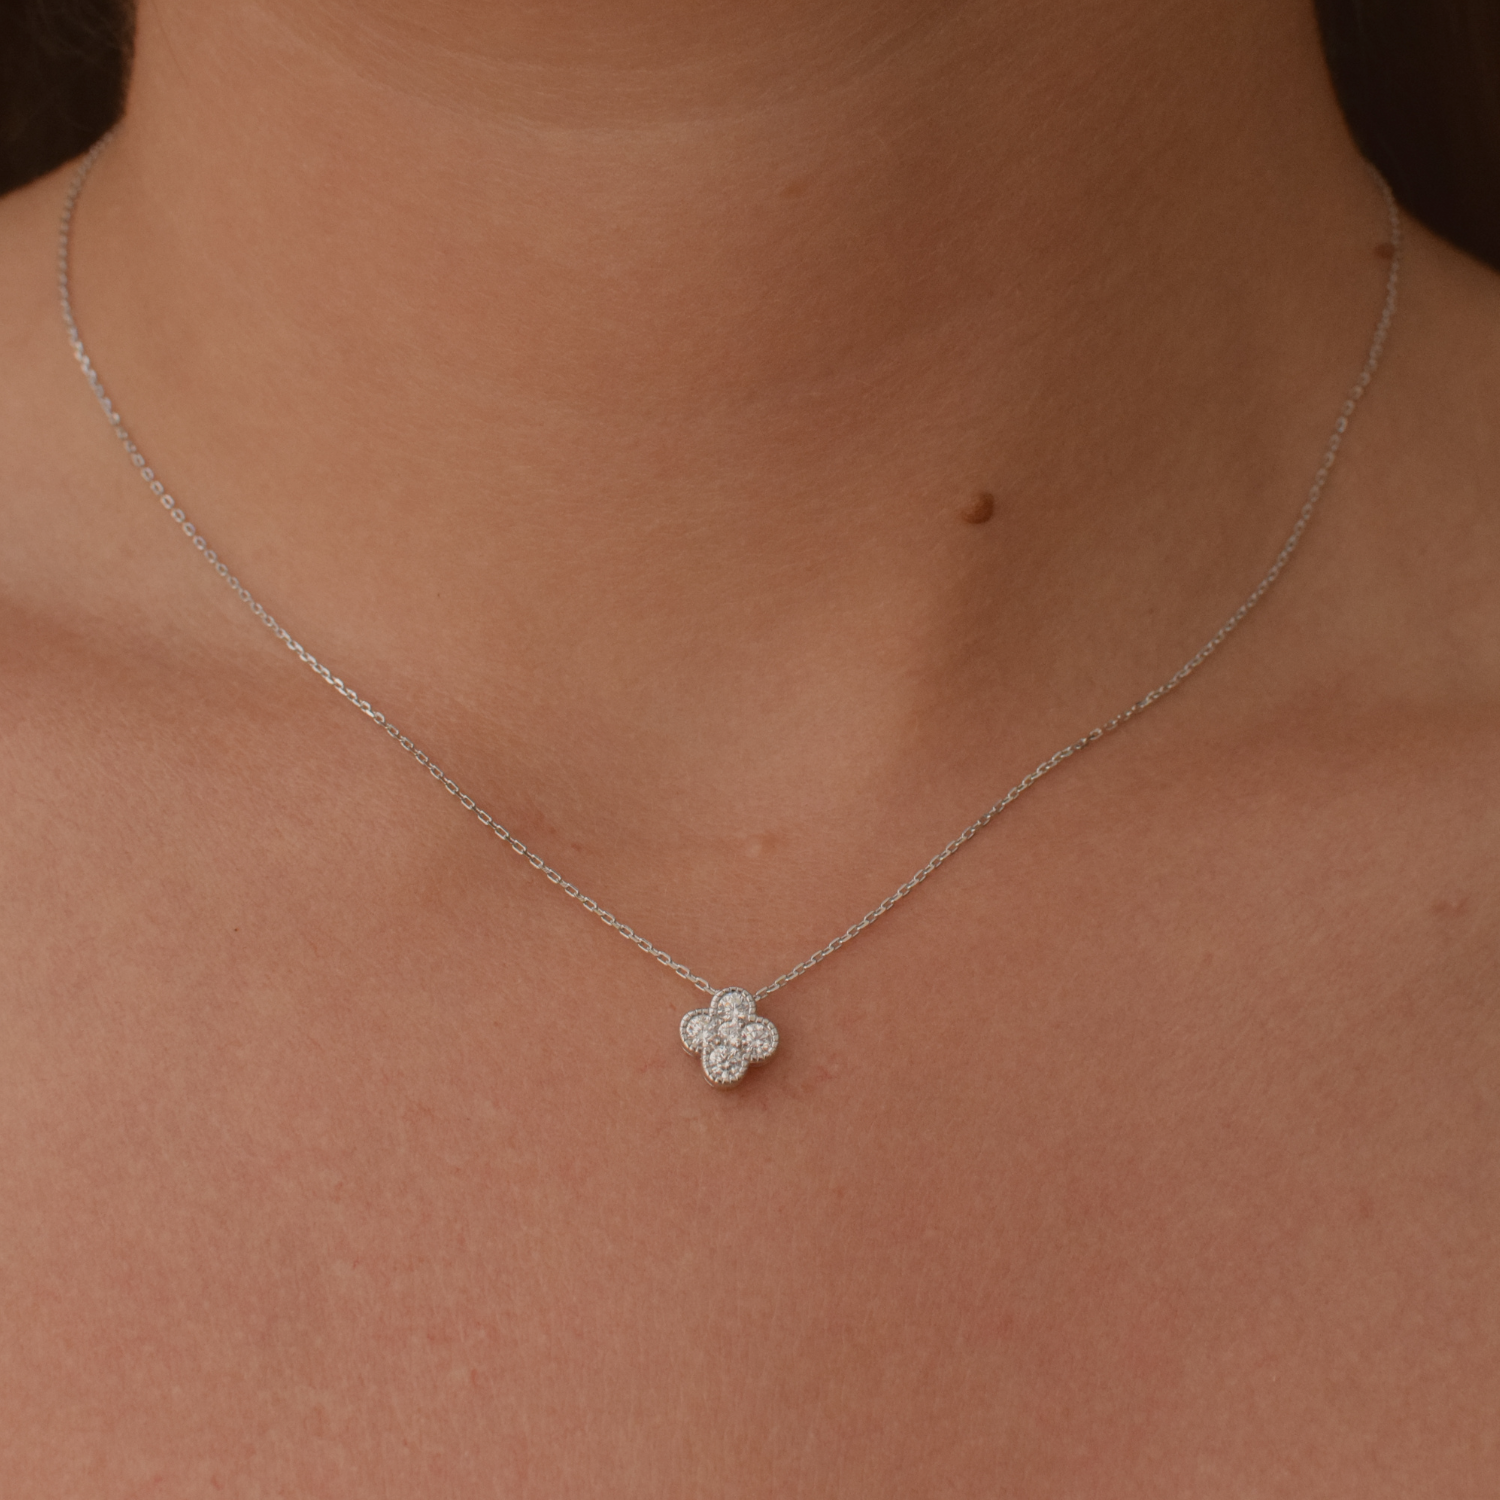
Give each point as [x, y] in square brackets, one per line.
[728, 1036]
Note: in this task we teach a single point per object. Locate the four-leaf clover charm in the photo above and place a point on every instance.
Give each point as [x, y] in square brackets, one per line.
[729, 1036]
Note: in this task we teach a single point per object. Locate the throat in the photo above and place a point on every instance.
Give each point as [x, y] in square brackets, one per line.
[816, 370]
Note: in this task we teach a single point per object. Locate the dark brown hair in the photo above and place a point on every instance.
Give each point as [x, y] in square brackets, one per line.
[1420, 84]
[1419, 81]
[63, 65]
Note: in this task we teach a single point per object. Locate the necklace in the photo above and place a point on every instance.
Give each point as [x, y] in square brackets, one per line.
[727, 1034]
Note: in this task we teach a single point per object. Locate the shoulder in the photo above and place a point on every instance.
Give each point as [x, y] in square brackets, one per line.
[33, 348]
[47, 578]
[28, 224]
[80, 658]
[1373, 750]
[1402, 617]
[44, 427]
[39, 435]
[1415, 512]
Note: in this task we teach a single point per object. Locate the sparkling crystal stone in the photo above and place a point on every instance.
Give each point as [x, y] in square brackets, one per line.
[729, 1036]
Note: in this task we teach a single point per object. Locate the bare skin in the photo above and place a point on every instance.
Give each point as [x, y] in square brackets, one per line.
[608, 392]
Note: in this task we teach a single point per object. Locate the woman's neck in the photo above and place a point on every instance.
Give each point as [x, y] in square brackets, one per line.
[658, 349]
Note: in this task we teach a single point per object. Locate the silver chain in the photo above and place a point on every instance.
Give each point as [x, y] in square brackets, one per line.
[212, 558]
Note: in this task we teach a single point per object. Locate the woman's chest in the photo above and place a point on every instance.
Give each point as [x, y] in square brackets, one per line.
[1164, 1170]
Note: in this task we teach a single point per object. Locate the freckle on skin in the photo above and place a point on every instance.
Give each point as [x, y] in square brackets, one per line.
[795, 188]
[979, 509]
[1385, 252]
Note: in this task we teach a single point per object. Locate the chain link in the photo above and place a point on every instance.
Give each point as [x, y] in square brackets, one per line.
[535, 860]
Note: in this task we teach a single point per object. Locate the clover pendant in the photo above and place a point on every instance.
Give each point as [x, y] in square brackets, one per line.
[729, 1036]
